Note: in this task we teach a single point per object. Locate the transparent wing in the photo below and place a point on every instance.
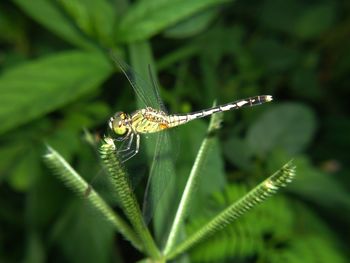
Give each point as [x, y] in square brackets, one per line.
[147, 93]
[157, 194]
[159, 175]
[159, 198]
[155, 88]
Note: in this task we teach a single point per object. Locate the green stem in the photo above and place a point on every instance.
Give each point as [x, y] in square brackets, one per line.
[78, 185]
[237, 209]
[128, 201]
[191, 182]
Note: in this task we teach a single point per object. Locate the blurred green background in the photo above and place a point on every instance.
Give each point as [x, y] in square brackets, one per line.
[57, 79]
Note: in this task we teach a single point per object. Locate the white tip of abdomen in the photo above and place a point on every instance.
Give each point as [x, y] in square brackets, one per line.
[269, 98]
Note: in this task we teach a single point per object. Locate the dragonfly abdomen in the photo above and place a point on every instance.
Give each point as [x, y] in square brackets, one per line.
[178, 119]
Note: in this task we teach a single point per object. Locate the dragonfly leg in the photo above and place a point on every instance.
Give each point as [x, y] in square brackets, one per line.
[121, 139]
[128, 146]
[137, 143]
[132, 152]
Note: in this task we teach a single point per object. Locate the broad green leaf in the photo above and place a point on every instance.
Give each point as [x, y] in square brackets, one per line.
[94, 18]
[50, 16]
[289, 126]
[147, 18]
[193, 25]
[38, 87]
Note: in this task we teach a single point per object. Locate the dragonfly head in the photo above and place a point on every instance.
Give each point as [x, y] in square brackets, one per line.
[118, 124]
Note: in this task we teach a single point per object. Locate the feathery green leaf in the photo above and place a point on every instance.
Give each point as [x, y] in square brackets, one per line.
[78, 185]
[254, 197]
[127, 198]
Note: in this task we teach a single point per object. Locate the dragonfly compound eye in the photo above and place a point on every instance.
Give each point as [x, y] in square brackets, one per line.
[117, 124]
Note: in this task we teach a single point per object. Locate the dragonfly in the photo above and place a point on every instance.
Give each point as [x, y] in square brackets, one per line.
[153, 118]
[129, 127]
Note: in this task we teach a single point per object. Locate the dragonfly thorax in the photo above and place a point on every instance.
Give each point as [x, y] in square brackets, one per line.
[119, 123]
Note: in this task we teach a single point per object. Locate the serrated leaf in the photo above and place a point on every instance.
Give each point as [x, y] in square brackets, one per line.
[289, 126]
[147, 18]
[36, 88]
[48, 14]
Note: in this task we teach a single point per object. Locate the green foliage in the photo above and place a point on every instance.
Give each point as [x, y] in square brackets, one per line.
[93, 18]
[146, 18]
[118, 177]
[126, 196]
[202, 156]
[57, 79]
[238, 208]
[66, 77]
[47, 14]
[77, 184]
[274, 237]
[261, 139]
